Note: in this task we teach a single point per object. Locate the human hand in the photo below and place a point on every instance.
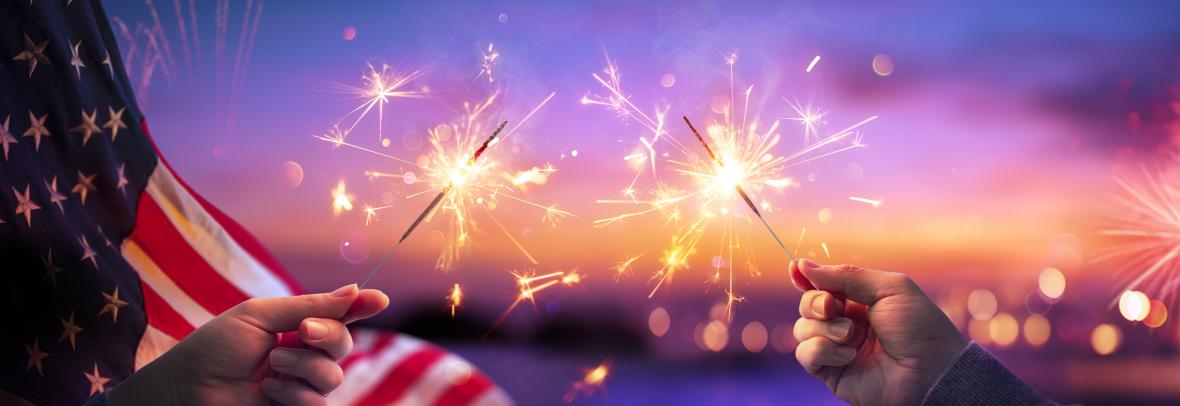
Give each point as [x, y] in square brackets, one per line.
[238, 357]
[873, 337]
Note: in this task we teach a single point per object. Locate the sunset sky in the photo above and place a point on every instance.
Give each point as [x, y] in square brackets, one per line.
[1000, 128]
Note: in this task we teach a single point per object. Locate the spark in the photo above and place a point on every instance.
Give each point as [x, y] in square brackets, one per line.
[744, 168]
[809, 117]
[489, 61]
[593, 380]
[341, 200]
[378, 87]
[528, 284]
[811, 65]
[624, 267]
[870, 202]
[455, 299]
[824, 244]
[1145, 222]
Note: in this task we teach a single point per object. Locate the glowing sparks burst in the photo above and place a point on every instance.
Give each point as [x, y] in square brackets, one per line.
[464, 184]
[378, 87]
[1145, 220]
[745, 158]
[341, 200]
[528, 284]
[455, 299]
[592, 381]
[490, 57]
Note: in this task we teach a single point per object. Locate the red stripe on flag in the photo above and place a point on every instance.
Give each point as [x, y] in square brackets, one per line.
[162, 316]
[395, 382]
[157, 236]
[244, 239]
[383, 341]
[465, 393]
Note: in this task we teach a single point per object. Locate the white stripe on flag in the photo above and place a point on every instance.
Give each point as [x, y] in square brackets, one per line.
[150, 274]
[210, 240]
[153, 344]
[366, 373]
[441, 375]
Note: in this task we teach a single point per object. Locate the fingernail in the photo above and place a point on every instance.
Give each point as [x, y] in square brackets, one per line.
[846, 352]
[347, 290]
[316, 330]
[283, 358]
[809, 263]
[817, 305]
[840, 327]
[272, 385]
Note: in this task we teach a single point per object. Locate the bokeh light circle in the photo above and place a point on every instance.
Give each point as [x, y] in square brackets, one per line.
[349, 33]
[1052, 283]
[825, 215]
[1157, 315]
[1037, 330]
[782, 338]
[715, 336]
[1003, 329]
[883, 65]
[354, 247]
[659, 322]
[1134, 305]
[502, 18]
[754, 336]
[1105, 339]
[292, 174]
[982, 304]
[668, 80]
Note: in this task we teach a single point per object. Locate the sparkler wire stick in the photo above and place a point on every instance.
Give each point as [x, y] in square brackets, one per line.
[741, 192]
[434, 203]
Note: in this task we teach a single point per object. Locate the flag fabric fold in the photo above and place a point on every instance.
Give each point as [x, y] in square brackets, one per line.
[109, 259]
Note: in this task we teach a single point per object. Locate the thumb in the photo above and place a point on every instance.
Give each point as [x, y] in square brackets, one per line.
[282, 314]
[864, 286]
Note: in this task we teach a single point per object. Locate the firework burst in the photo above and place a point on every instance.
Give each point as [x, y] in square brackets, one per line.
[378, 87]
[1145, 222]
[742, 159]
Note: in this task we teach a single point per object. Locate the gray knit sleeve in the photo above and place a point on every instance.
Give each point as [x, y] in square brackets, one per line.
[978, 378]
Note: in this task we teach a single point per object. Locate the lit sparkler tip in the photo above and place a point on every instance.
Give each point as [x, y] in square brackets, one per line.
[341, 200]
[593, 380]
[455, 299]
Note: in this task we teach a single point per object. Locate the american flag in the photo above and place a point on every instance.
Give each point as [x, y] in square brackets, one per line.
[108, 259]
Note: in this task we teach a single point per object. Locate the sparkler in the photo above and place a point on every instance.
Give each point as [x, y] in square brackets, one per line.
[743, 165]
[593, 380]
[1146, 221]
[458, 178]
[741, 192]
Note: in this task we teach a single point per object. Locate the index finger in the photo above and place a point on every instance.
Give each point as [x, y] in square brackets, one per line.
[368, 303]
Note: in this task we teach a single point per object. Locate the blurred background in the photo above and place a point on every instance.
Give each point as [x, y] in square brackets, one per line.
[1018, 169]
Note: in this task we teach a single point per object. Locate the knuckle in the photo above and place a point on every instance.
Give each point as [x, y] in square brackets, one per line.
[335, 377]
[852, 270]
[799, 330]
